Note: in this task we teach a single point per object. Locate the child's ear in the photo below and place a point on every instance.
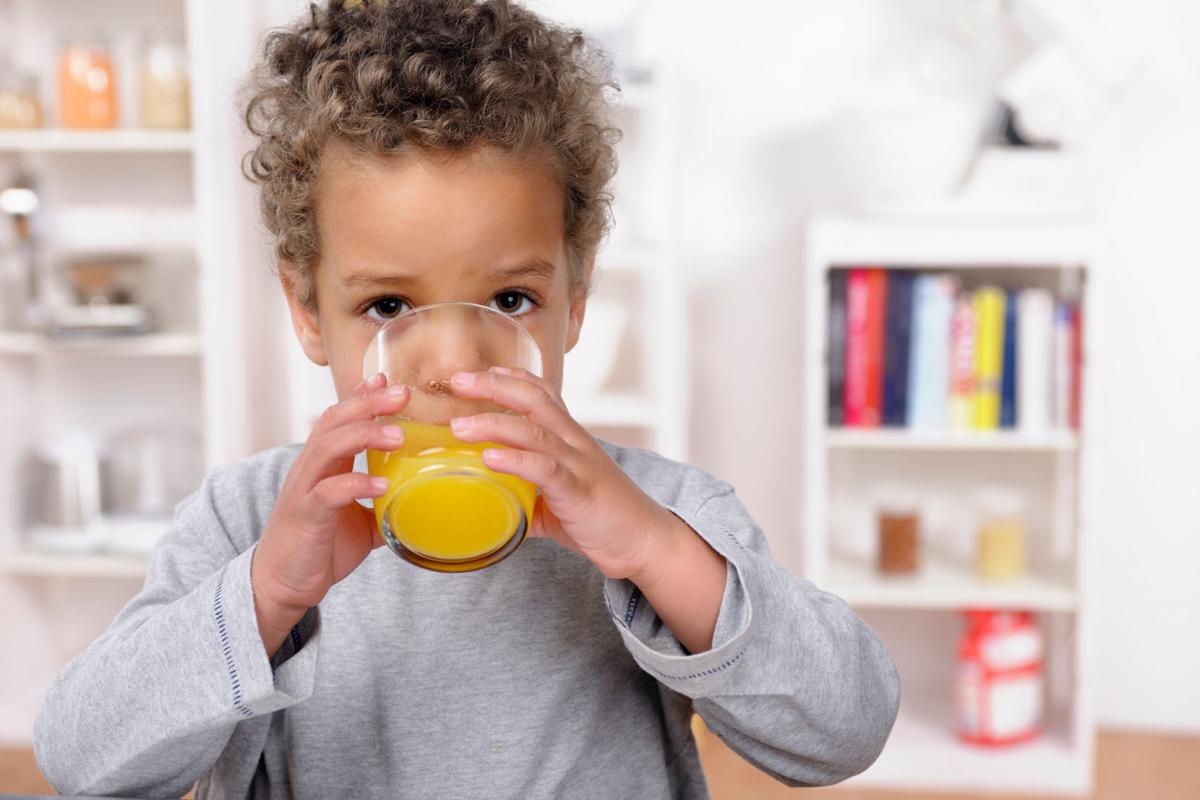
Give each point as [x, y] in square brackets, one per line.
[304, 320]
[578, 307]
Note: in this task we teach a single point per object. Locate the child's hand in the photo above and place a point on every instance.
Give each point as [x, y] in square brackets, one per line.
[588, 504]
[317, 534]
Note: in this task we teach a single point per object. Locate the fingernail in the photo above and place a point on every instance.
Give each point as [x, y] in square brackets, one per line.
[464, 378]
[378, 378]
[461, 424]
[396, 389]
[394, 432]
[379, 484]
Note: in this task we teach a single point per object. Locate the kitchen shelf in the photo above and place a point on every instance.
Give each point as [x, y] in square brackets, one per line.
[34, 564]
[902, 439]
[150, 344]
[51, 140]
[942, 585]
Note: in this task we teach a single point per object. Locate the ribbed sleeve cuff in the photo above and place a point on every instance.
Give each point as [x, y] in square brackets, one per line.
[253, 686]
[656, 649]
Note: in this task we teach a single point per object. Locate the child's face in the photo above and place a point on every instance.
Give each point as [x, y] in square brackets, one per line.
[405, 231]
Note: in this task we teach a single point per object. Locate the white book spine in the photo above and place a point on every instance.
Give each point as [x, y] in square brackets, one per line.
[1036, 345]
[929, 359]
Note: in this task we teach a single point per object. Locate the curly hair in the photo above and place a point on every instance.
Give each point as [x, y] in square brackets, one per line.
[386, 76]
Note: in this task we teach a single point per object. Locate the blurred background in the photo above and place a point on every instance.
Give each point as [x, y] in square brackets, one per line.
[918, 278]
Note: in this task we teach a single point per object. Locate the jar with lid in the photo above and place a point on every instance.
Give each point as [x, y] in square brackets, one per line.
[1001, 545]
[87, 83]
[163, 82]
[20, 106]
[898, 523]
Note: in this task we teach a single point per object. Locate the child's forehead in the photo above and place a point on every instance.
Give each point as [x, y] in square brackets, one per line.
[431, 205]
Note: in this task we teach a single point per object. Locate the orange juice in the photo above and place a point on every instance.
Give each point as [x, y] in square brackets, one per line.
[444, 508]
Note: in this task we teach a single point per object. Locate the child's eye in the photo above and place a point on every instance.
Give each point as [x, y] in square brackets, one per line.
[386, 308]
[513, 302]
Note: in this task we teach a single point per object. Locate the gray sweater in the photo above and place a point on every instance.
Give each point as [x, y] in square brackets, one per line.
[537, 677]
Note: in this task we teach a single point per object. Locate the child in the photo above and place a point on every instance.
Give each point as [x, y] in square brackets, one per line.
[412, 152]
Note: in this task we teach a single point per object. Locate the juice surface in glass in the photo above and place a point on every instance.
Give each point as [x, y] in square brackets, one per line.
[443, 504]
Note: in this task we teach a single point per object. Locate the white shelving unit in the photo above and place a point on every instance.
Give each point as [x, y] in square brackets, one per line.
[916, 616]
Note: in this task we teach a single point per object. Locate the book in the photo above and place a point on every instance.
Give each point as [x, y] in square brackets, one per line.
[872, 412]
[896, 343]
[1008, 369]
[865, 298]
[1035, 362]
[837, 347]
[854, 395]
[962, 363]
[929, 351]
[1062, 366]
[989, 357]
[1076, 366]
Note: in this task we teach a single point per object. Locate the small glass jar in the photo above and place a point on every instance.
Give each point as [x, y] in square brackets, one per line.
[20, 106]
[1000, 554]
[164, 90]
[898, 522]
[87, 84]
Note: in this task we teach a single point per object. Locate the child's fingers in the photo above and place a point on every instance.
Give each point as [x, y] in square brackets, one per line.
[376, 381]
[512, 430]
[372, 402]
[522, 396]
[539, 468]
[336, 491]
[327, 453]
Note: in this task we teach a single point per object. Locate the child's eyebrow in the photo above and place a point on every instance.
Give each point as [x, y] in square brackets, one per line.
[537, 268]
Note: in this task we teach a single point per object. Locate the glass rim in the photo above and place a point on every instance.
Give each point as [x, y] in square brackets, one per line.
[379, 337]
[430, 306]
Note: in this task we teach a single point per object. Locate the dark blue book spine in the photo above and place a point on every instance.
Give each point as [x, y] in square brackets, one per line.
[837, 347]
[898, 332]
[1008, 372]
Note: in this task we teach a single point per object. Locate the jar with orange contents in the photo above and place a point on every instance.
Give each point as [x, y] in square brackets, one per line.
[87, 84]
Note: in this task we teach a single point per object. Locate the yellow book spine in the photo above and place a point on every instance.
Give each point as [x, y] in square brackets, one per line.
[989, 357]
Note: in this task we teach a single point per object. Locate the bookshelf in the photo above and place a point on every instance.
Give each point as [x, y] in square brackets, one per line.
[917, 616]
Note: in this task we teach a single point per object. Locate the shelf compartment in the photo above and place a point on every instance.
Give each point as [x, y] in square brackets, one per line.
[942, 585]
[906, 439]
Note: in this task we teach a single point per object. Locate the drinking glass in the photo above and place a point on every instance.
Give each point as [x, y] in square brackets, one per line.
[444, 510]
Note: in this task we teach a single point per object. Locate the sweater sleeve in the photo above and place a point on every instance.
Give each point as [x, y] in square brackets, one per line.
[180, 675]
[794, 682]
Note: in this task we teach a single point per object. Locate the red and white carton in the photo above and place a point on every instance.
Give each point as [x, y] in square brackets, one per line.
[999, 698]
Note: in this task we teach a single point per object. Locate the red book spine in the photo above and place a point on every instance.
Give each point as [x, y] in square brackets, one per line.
[1076, 365]
[872, 413]
[855, 392]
